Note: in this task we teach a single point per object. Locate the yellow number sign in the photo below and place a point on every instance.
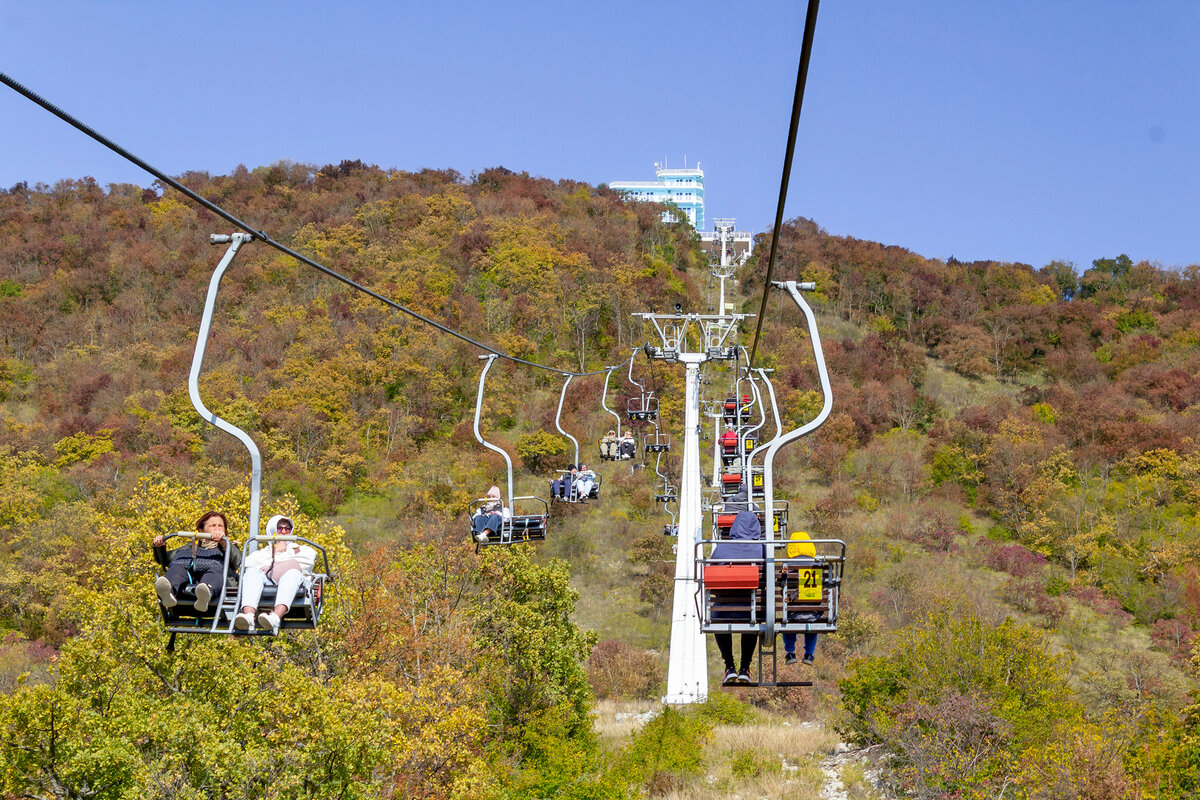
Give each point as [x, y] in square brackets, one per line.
[758, 480]
[809, 584]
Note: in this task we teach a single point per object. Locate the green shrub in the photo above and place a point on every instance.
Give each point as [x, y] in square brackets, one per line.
[750, 764]
[668, 749]
[960, 704]
[724, 709]
[535, 449]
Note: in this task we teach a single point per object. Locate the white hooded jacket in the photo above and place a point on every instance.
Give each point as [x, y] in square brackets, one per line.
[300, 553]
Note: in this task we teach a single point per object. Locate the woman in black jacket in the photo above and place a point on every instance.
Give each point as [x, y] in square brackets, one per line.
[199, 565]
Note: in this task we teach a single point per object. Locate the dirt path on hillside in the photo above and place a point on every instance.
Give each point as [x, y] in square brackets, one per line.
[834, 788]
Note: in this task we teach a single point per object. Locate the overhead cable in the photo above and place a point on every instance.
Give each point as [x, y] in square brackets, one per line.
[263, 235]
[810, 26]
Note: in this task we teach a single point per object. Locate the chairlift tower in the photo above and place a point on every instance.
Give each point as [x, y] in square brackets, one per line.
[687, 668]
[725, 265]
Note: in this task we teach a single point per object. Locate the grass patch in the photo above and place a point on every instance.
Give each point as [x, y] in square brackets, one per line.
[953, 391]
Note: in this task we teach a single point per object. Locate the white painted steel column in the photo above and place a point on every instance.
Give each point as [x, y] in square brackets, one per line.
[716, 476]
[687, 669]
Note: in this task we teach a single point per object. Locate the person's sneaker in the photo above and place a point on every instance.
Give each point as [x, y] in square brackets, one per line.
[269, 621]
[744, 677]
[481, 536]
[243, 621]
[203, 595]
[165, 595]
[789, 658]
[730, 678]
[808, 661]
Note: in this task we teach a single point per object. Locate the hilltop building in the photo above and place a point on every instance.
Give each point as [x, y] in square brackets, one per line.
[684, 188]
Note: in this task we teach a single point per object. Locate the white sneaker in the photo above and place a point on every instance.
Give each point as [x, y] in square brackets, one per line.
[203, 595]
[165, 595]
[481, 536]
[243, 622]
[269, 621]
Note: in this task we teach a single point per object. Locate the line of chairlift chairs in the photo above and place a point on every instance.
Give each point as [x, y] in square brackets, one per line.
[803, 576]
[731, 595]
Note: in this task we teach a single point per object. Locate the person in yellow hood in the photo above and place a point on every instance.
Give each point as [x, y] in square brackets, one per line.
[800, 546]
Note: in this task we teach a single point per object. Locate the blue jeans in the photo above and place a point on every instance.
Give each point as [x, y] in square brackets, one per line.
[810, 644]
[490, 522]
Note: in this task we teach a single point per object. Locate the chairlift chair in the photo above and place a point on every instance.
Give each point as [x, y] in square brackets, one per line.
[722, 520]
[671, 529]
[730, 409]
[305, 611]
[573, 496]
[611, 451]
[516, 528]
[303, 614]
[805, 592]
[643, 407]
[656, 442]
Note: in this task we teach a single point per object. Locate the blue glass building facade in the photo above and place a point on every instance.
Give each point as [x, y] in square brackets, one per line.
[684, 188]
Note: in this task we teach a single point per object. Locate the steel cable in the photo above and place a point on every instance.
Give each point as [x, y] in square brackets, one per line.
[810, 26]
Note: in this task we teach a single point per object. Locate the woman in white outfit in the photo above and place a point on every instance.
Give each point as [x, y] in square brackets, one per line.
[288, 564]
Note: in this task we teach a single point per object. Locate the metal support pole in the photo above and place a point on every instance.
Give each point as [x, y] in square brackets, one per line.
[823, 375]
[687, 669]
[716, 476]
[604, 401]
[234, 241]
[479, 436]
[558, 418]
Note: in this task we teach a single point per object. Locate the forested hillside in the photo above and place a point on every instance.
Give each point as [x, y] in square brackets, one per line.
[1011, 460]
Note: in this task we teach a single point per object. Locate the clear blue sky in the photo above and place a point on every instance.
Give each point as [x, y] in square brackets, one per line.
[1027, 130]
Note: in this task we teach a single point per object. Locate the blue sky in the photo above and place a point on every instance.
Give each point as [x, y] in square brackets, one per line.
[1017, 131]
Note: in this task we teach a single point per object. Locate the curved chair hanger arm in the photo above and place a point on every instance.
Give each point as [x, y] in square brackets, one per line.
[793, 288]
[604, 397]
[762, 411]
[641, 389]
[478, 412]
[558, 417]
[235, 241]
[658, 468]
[775, 411]
[771, 391]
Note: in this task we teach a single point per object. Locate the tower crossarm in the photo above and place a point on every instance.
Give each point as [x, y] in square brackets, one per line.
[672, 329]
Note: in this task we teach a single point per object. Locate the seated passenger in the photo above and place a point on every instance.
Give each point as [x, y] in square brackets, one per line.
[199, 565]
[489, 516]
[800, 546]
[560, 486]
[609, 445]
[746, 528]
[739, 501]
[585, 481]
[288, 565]
[729, 440]
[628, 446]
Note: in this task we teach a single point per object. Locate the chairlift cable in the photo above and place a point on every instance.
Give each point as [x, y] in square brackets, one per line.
[258, 234]
[810, 25]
